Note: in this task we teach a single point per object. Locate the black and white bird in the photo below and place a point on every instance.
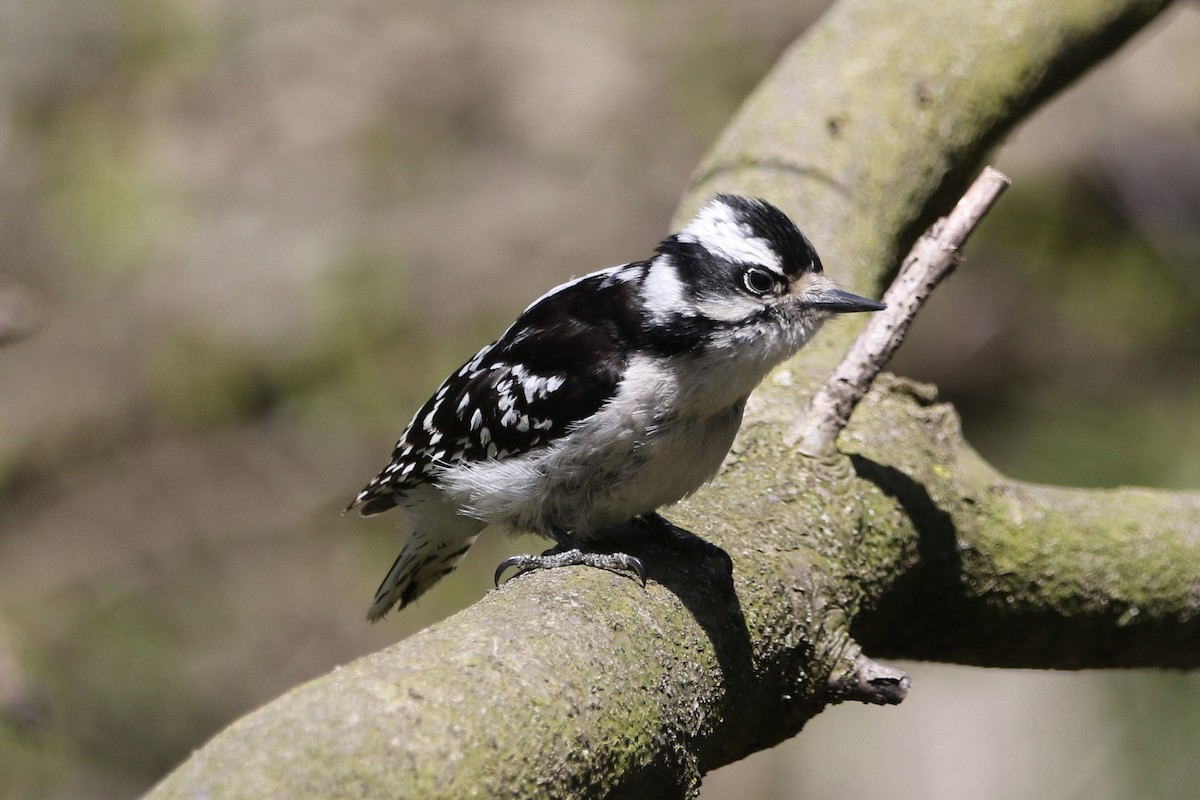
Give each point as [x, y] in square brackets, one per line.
[611, 396]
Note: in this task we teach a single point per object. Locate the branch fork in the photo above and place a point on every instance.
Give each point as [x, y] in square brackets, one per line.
[932, 258]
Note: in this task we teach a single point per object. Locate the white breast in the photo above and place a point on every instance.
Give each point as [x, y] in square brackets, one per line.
[651, 445]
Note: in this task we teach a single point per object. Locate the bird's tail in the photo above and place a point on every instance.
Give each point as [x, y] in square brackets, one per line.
[430, 553]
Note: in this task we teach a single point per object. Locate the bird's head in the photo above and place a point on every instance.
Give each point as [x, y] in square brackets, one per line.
[743, 267]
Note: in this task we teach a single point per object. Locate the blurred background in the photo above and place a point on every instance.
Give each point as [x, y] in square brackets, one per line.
[241, 242]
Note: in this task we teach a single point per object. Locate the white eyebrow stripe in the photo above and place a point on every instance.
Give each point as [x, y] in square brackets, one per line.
[716, 229]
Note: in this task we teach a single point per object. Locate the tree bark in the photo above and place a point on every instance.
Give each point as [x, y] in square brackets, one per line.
[580, 683]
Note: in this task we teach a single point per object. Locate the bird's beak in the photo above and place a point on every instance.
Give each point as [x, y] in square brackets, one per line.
[839, 301]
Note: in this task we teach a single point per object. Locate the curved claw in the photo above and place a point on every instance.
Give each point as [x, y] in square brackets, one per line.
[633, 564]
[511, 561]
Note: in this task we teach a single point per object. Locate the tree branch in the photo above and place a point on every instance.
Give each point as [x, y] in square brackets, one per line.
[932, 258]
[577, 682]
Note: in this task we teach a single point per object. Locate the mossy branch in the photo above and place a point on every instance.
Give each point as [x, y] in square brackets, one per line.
[579, 683]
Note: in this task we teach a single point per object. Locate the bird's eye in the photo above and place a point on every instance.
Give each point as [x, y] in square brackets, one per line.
[759, 281]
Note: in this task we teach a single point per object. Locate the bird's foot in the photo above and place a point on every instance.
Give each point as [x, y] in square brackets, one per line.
[570, 557]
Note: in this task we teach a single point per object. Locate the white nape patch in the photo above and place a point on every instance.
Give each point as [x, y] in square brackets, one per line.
[663, 289]
[716, 229]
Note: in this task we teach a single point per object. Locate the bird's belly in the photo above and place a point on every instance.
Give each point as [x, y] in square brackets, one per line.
[652, 445]
[671, 463]
[579, 485]
[584, 488]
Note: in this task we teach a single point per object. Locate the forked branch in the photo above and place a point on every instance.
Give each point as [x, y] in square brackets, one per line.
[932, 258]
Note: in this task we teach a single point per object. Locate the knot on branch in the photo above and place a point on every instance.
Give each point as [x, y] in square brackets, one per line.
[868, 681]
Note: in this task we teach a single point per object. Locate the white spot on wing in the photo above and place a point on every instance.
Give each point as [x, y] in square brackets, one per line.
[533, 388]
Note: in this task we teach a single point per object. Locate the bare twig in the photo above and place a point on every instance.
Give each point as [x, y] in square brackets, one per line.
[931, 259]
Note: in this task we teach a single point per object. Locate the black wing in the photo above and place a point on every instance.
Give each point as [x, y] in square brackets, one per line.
[557, 364]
